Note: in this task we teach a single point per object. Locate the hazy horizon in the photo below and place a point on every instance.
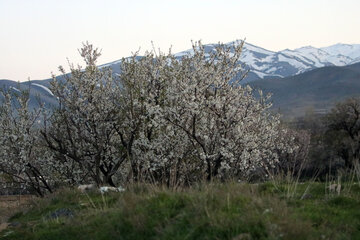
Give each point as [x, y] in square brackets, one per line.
[38, 36]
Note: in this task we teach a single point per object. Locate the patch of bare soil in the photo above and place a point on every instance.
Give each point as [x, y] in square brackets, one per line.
[11, 204]
[3, 226]
[14, 201]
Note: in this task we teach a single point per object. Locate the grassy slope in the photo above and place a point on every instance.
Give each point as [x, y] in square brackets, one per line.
[217, 211]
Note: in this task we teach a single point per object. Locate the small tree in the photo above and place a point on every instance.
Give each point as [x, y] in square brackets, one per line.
[343, 134]
[81, 131]
[157, 150]
[193, 110]
[22, 156]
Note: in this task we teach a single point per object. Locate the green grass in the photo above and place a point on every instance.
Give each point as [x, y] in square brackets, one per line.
[207, 211]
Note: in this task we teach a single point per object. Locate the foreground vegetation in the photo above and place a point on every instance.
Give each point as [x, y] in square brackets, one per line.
[207, 211]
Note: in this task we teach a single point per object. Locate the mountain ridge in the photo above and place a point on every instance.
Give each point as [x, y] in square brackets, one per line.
[277, 72]
[318, 89]
[266, 63]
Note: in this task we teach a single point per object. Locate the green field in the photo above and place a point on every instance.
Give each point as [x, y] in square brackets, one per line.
[207, 211]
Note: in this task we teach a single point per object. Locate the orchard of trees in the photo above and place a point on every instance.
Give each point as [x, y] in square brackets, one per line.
[161, 120]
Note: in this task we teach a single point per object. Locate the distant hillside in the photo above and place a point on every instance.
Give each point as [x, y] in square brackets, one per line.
[293, 95]
[319, 89]
[38, 90]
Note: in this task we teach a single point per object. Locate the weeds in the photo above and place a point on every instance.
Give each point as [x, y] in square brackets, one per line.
[205, 211]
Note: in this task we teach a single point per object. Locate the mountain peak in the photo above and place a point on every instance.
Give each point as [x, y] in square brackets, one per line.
[265, 63]
[349, 50]
[306, 47]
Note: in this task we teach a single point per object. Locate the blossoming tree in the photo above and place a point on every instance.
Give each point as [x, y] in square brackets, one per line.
[164, 119]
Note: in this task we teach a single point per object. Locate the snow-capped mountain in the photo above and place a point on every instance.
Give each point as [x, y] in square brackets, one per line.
[261, 62]
[265, 63]
[285, 73]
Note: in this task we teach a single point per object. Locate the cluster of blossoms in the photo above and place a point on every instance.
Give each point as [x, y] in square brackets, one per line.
[194, 116]
[163, 119]
[22, 159]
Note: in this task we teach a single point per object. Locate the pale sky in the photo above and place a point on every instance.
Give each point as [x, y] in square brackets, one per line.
[36, 36]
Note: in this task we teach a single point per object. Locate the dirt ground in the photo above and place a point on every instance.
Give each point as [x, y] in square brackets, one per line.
[11, 204]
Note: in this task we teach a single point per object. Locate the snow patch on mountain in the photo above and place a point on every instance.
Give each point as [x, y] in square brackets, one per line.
[43, 87]
[14, 88]
[356, 60]
[349, 50]
[293, 62]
